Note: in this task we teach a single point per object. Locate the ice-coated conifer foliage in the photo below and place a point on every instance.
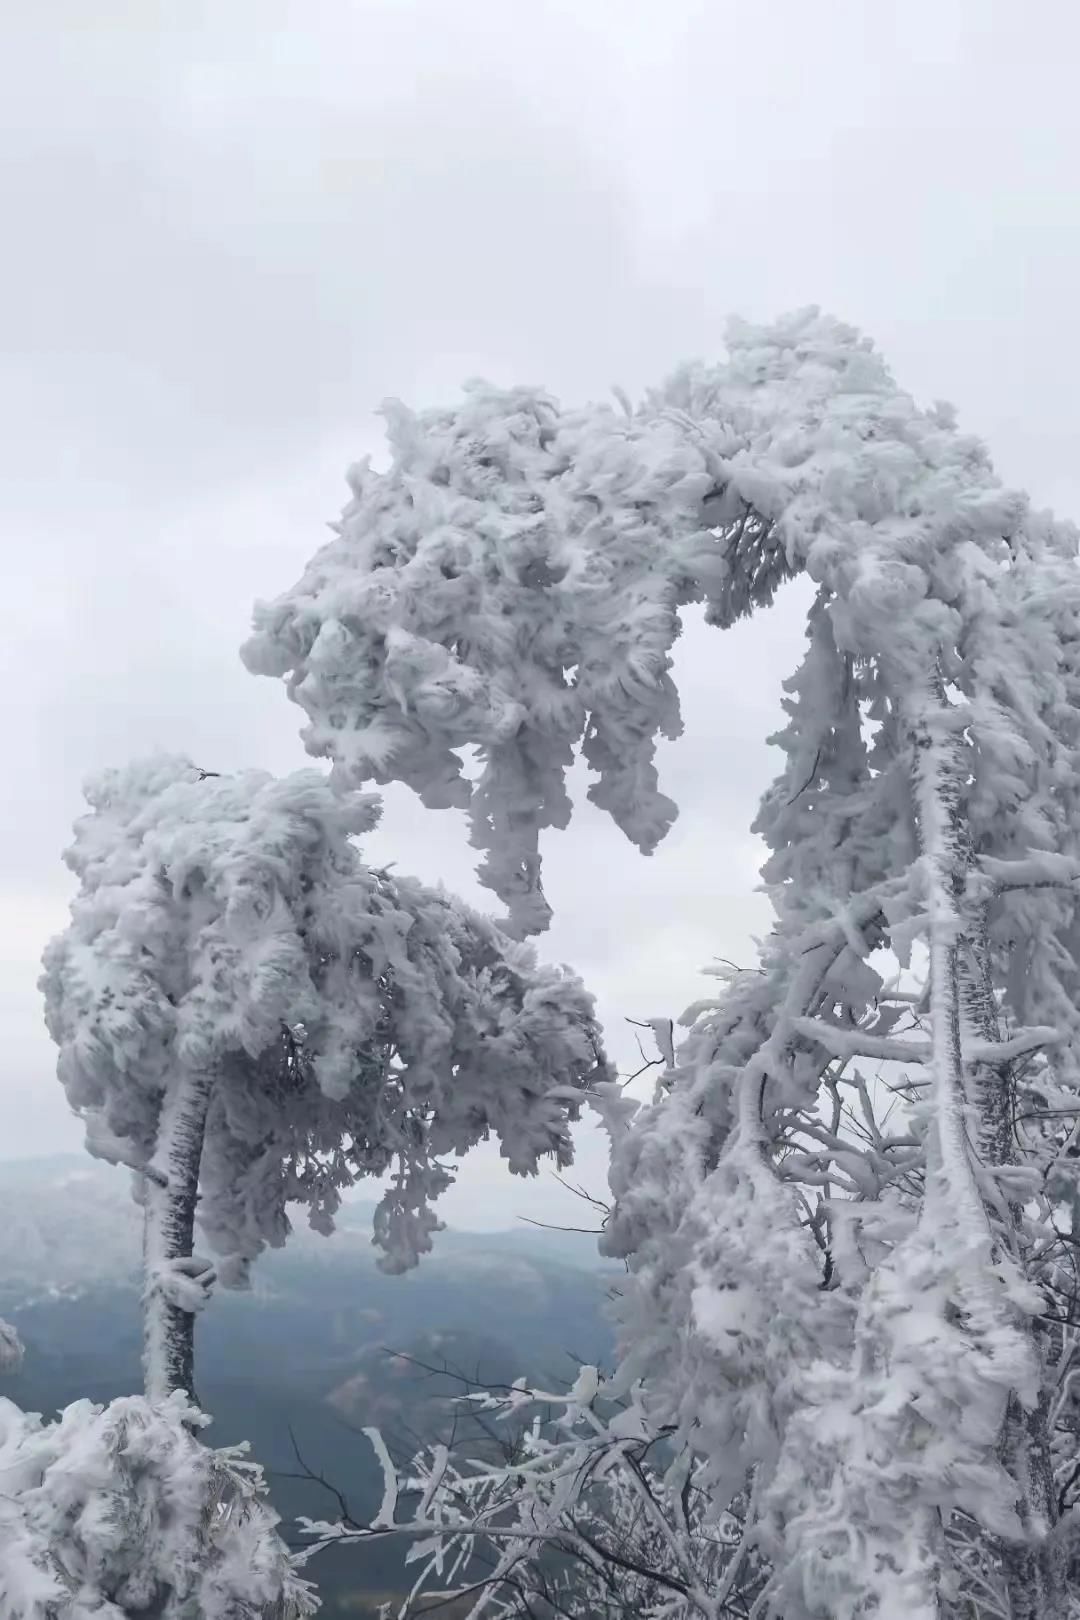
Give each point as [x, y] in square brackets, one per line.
[847, 1214]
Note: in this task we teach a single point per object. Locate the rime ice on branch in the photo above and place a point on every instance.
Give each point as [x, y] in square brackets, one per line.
[119, 1511]
[249, 1016]
[870, 1322]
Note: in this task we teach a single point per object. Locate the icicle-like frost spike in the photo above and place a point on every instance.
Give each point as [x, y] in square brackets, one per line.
[387, 1513]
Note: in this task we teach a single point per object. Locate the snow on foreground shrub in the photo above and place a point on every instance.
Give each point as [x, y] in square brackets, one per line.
[120, 1510]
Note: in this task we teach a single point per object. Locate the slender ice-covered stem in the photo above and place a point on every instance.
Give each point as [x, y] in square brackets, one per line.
[171, 1194]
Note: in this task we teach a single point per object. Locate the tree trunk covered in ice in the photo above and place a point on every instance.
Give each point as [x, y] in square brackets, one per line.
[973, 1104]
[176, 1284]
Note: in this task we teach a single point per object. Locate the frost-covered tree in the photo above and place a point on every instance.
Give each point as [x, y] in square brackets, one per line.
[251, 1017]
[862, 1327]
[121, 1511]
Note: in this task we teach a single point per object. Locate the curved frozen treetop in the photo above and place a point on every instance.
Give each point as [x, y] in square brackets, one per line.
[811, 1301]
[353, 1023]
[513, 581]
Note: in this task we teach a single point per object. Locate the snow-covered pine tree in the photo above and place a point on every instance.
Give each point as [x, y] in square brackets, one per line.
[249, 1016]
[866, 1330]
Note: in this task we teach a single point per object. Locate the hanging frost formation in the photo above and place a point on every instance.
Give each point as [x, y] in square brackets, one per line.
[861, 1324]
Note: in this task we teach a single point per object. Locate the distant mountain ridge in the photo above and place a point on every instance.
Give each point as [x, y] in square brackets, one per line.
[70, 1221]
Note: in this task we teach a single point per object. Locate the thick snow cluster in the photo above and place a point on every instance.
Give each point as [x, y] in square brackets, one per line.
[513, 581]
[119, 1510]
[348, 1023]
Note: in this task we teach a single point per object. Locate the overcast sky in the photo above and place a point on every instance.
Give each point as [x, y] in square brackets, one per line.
[230, 227]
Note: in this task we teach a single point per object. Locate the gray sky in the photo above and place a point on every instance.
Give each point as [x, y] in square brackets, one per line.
[230, 227]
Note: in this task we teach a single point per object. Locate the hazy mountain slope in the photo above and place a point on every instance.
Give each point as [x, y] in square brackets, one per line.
[65, 1222]
[304, 1355]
